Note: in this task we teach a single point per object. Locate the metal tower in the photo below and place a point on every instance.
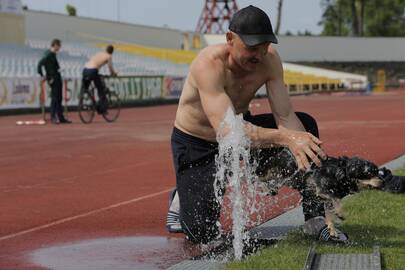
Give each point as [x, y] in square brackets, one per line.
[216, 16]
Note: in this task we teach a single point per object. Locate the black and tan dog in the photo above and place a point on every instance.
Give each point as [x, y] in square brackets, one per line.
[333, 180]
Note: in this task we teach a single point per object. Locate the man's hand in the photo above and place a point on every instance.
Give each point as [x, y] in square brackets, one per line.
[114, 74]
[302, 145]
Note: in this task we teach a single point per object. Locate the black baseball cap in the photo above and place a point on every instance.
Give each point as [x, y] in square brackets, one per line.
[253, 26]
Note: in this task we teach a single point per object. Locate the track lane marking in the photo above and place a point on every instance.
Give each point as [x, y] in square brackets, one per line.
[96, 211]
[69, 178]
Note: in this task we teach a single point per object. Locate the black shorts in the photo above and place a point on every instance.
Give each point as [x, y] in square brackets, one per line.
[91, 75]
[194, 163]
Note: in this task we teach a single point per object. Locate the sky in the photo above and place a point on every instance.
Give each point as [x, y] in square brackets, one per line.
[298, 15]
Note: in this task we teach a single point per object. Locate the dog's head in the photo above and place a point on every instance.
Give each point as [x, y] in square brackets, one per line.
[365, 173]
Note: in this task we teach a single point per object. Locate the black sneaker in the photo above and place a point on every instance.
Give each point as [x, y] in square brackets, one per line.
[316, 227]
[392, 183]
[55, 121]
[65, 121]
[324, 235]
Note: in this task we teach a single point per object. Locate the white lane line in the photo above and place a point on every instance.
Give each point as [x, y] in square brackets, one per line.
[64, 220]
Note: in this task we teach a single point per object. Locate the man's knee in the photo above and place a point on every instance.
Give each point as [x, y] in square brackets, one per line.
[199, 232]
[309, 123]
[199, 219]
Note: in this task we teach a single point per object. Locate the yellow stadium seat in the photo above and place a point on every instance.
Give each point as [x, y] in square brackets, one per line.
[172, 55]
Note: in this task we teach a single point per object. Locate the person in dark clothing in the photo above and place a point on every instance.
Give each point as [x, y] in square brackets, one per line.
[54, 79]
[90, 74]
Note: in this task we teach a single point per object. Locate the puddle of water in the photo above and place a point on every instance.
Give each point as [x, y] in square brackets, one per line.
[123, 253]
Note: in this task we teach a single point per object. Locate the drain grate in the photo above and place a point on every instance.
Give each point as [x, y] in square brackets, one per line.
[196, 265]
[343, 261]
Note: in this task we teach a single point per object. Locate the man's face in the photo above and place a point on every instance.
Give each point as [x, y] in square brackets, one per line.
[56, 48]
[248, 57]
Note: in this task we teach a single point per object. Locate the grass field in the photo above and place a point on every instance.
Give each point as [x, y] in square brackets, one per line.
[372, 218]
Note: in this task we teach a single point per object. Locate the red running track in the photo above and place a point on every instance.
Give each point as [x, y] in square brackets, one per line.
[66, 187]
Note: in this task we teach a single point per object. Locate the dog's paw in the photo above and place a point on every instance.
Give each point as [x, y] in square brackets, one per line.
[339, 219]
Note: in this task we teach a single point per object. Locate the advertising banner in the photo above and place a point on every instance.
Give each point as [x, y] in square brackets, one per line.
[19, 93]
[172, 87]
[26, 93]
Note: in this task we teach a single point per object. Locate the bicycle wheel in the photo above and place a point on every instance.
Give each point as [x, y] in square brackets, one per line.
[86, 106]
[114, 107]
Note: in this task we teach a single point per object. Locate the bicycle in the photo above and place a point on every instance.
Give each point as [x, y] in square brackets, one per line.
[88, 105]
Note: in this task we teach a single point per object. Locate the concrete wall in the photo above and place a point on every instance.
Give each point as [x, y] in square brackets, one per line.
[12, 28]
[335, 49]
[45, 25]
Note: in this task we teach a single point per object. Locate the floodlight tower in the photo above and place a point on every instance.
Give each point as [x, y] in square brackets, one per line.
[215, 16]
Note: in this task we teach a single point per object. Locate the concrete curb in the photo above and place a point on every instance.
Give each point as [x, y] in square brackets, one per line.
[395, 164]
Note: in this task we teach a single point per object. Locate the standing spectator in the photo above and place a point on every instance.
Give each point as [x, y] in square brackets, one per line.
[54, 79]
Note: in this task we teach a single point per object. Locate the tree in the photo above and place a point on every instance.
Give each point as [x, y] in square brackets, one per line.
[288, 33]
[279, 11]
[333, 18]
[71, 10]
[363, 17]
[385, 18]
[355, 18]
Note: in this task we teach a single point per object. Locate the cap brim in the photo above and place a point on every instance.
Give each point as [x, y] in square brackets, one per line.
[253, 40]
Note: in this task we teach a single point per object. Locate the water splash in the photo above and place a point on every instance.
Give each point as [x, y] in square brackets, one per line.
[236, 170]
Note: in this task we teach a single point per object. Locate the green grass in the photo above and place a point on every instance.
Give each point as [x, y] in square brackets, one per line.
[372, 218]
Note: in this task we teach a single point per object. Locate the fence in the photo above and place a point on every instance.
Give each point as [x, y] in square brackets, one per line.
[32, 93]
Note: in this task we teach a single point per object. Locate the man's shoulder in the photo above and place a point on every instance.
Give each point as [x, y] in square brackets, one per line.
[272, 56]
[47, 52]
[273, 64]
[106, 56]
[210, 58]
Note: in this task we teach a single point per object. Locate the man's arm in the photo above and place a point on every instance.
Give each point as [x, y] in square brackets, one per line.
[41, 63]
[279, 98]
[209, 77]
[110, 67]
[301, 143]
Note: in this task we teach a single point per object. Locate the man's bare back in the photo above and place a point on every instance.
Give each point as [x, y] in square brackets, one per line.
[241, 89]
[98, 60]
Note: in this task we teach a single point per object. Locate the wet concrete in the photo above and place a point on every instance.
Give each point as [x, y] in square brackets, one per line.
[123, 253]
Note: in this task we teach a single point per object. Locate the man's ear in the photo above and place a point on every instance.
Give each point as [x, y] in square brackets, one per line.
[229, 38]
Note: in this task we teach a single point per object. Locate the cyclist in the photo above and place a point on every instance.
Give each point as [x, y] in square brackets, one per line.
[90, 74]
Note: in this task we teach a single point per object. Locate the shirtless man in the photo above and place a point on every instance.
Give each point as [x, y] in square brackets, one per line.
[228, 76]
[90, 73]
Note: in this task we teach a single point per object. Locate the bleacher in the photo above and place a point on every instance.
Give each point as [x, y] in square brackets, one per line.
[135, 60]
[172, 55]
[21, 61]
[299, 82]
